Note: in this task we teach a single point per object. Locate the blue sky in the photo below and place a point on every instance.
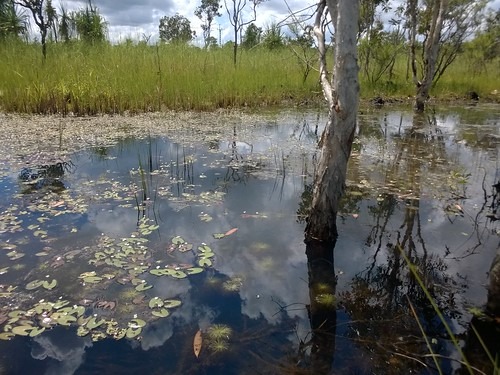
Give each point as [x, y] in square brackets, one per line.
[136, 18]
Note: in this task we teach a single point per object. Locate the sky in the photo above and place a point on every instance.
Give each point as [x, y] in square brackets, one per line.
[138, 19]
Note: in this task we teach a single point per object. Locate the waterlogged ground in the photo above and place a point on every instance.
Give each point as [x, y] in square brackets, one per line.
[173, 243]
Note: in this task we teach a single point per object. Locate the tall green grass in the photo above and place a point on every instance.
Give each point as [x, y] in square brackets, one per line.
[86, 79]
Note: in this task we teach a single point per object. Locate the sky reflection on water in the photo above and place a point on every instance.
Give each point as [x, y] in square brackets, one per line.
[406, 176]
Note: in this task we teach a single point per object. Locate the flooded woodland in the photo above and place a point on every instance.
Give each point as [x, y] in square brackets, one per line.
[173, 243]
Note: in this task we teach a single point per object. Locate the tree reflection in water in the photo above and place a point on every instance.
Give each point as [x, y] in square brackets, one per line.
[381, 298]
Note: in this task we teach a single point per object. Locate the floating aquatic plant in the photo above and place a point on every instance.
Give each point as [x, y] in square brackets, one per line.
[219, 331]
[233, 284]
[326, 299]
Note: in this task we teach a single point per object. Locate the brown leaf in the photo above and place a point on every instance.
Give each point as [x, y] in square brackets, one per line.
[197, 343]
[230, 231]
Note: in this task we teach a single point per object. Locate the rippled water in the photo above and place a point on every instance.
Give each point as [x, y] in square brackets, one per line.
[101, 217]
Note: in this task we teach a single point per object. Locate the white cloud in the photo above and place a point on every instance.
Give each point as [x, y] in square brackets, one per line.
[136, 19]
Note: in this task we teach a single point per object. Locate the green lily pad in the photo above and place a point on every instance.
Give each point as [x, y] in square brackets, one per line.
[205, 249]
[194, 270]
[97, 336]
[36, 331]
[171, 303]
[63, 318]
[22, 330]
[119, 333]
[143, 286]
[16, 313]
[176, 273]
[6, 336]
[82, 331]
[162, 313]
[42, 307]
[34, 284]
[133, 332]
[177, 240]
[206, 255]
[204, 262]
[87, 274]
[51, 285]
[136, 323]
[92, 279]
[100, 255]
[218, 236]
[155, 302]
[159, 272]
[94, 323]
[60, 303]
[73, 310]
[40, 233]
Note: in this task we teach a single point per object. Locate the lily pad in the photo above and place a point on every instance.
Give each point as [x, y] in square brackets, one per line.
[194, 270]
[82, 331]
[94, 323]
[162, 313]
[133, 332]
[202, 262]
[51, 285]
[22, 330]
[6, 336]
[36, 331]
[159, 272]
[34, 284]
[155, 302]
[205, 249]
[136, 323]
[61, 303]
[171, 303]
[177, 240]
[176, 273]
[92, 279]
[143, 286]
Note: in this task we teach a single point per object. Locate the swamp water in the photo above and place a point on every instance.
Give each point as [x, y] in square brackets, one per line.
[122, 237]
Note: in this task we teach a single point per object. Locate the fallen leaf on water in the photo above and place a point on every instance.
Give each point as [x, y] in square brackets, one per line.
[197, 343]
[230, 231]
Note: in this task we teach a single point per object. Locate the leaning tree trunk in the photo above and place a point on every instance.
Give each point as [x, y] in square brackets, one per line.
[336, 140]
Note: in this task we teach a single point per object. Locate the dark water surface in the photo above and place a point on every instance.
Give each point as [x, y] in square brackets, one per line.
[142, 227]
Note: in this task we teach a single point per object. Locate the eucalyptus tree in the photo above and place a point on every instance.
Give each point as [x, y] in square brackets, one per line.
[443, 26]
[176, 29]
[41, 17]
[12, 22]
[236, 11]
[206, 12]
[341, 90]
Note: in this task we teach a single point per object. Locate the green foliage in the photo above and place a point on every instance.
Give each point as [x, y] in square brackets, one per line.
[104, 78]
[252, 36]
[90, 26]
[12, 23]
[206, 12]
[176, 29]
[273, 37]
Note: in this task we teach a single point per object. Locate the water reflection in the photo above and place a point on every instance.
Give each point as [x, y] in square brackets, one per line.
[418, 186]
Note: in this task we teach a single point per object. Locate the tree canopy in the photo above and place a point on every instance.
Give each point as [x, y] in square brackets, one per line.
[176, 29]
